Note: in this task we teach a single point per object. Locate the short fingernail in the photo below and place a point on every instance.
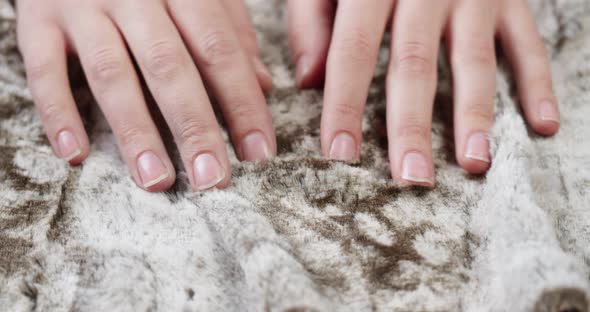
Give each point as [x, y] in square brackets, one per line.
[415, 169]
[344, 148]
[151, 169]
[254, 147]
[303, 68]
[208, 171]
[478, 147]
[548, 111]
[68, 145]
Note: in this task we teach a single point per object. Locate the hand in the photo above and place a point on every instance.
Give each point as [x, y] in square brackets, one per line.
[177, 45]
[342, 38]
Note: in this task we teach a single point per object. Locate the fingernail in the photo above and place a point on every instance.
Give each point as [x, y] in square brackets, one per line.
[69, 148]
[151, 169]
[303, 68]
[548, 111]
[415, 169]
[344, 148]
[254, 147]
[478, 147]
[261, 68]
[208, 171]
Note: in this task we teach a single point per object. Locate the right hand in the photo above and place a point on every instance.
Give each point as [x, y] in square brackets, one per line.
[174, 42]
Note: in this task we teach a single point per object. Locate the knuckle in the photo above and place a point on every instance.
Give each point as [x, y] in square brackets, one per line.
[479, 53]
[414, 132]
[164, 59]
[244, 111]
[38, 69]
[217, 47]
[105, 65]
[192, 130]
[480, 112]
[414, 58]
[343, 109]
[357, 45]
[50, 111]
[130, 135]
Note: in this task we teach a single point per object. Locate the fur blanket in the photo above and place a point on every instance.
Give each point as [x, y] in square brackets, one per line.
[301, 233]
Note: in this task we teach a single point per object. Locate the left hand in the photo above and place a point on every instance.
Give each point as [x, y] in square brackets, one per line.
[342, 38]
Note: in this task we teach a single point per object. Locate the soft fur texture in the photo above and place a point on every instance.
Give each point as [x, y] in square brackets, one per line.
[301, 233]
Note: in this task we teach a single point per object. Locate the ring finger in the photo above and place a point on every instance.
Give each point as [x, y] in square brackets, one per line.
[227, 70]
[473, 60]
[358, 32]
[113, 81]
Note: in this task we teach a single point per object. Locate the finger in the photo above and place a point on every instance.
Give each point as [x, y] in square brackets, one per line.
[43, 48]
[239, 15]
[116, 87]
[411, 89]
[358, 32]
[225, 66]
[176, 86]
[473, 61]
[310, 30]
[524, 47]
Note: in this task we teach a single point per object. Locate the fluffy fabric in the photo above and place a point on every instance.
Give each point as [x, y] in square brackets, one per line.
[301, 233]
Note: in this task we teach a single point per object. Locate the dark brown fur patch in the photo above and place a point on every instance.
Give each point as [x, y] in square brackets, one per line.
[58, 224]
[13, 253]
[12, 175]
[562, 300]
[382, 268]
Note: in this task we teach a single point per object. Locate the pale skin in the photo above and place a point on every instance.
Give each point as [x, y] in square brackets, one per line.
[179, 45]
[337, 41]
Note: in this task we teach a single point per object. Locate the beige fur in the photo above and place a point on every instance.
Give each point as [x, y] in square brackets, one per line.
[302, 233]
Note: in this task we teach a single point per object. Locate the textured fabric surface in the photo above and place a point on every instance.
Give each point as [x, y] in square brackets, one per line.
[301, 233]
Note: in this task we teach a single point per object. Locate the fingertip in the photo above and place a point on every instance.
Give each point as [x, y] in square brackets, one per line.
[547, 127]
[77, 158]
[71, 147]
[155, 172]
[344, 147]
[310, 32]
[226, 182]
[474, 165]
[546, 121]
[475, 158]
[255, 147]
[161, 186]
[221, 185]
[209, 173]
[309, 73]
[416, 170]
[404, 183]
[264, 77]
[407, 184]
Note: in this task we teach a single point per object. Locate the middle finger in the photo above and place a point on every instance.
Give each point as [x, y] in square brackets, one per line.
[417, 28]
[358, 31]
[116, 87]
[227, 69]
[473, 60]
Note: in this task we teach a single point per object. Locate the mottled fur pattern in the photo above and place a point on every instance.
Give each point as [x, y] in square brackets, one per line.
[301, 233]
